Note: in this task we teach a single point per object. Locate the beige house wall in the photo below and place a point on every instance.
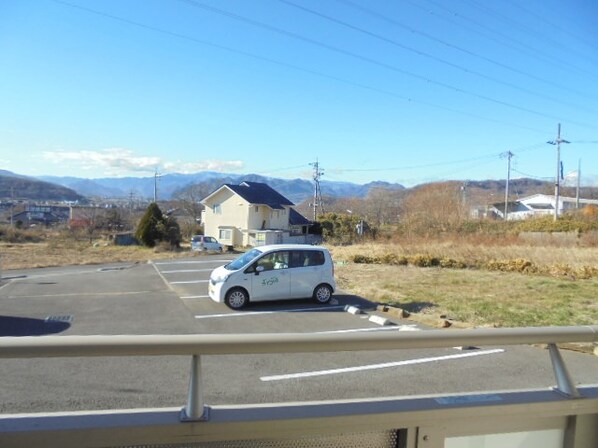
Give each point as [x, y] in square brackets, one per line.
[226, 210]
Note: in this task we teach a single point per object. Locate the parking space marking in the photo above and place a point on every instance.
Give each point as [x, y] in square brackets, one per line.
[357, 330]
[186, 270]
[255, 313]
[378, 366]
[189, 281]
[162, 263]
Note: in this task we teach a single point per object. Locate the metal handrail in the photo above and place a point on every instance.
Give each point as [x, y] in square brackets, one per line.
[227, 344]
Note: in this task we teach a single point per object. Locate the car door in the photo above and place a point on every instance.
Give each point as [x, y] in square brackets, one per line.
[306, 272]
[271, 279]
[210, 243]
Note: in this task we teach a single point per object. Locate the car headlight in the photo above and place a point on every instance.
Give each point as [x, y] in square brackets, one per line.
[219, 278]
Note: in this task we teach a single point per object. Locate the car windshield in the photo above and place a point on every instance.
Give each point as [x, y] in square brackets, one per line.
[196, 239]
[243, 260]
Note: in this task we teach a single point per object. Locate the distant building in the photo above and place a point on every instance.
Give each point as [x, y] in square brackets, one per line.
[45, 215]
[537, 205]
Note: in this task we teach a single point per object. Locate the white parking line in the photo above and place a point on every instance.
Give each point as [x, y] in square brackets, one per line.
[161, 263]
[255, 313]
[357, 330]
[187, 270]
[190, 281]
[378, 366]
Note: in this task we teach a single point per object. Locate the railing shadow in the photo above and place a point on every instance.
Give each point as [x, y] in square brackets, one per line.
[26, 326]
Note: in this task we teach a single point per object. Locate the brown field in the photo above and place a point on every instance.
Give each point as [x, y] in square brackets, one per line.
[475, 296]
[551, 294]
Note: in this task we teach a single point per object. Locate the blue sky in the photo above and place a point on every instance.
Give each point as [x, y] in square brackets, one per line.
[406, 91]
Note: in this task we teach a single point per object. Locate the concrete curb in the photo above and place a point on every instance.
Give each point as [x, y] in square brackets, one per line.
[432, 321]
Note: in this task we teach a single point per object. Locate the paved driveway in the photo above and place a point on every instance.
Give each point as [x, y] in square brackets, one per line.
[170, 297]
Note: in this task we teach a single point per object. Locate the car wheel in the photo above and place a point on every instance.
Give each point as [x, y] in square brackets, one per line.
[220, 249]
[322, 293]
[236, 298]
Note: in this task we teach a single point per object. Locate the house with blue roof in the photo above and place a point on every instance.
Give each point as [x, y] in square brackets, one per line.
[253, 214]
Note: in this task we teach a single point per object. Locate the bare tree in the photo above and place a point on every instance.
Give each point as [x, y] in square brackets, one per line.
[435, 207]
[188, 200]
[382, 206]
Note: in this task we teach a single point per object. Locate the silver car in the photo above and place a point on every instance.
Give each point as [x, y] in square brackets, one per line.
[204, 243]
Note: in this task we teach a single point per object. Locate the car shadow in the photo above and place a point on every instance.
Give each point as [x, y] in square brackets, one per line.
[338, 303]
[25, 326]
[413, 306]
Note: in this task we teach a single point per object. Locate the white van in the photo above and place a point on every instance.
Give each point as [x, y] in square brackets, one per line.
[274, 272]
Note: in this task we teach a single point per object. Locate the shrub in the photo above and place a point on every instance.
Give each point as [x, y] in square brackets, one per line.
[516, 265]
[363, 259]
[423, 260]
[451, 263]
[394, 259]
[10, 234]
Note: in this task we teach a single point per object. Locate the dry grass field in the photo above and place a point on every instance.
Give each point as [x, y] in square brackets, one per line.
[553, 293]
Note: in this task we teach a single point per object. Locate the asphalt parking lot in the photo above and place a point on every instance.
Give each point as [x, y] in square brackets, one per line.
[170, 297]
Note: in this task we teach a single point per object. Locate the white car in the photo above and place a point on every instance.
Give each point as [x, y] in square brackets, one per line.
[274, 272]
[205, 243]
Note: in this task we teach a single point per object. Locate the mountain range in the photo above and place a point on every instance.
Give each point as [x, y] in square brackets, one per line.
[167, 186]
[53, 188]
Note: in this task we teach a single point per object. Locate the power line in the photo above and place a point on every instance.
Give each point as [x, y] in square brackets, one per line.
[513, 23]
[293, 67]
[531, 176]
[430, 56]
[552, 25]
[550, 59]
[428, 165]
[367, 59]
[456, 47]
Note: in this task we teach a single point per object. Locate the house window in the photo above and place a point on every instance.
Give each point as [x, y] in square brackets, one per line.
[224, 234]
[217, 209]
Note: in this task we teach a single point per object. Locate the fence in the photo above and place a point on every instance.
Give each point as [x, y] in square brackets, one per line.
[563, 417]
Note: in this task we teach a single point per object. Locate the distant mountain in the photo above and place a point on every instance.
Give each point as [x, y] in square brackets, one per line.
[297, 190]
[16, 186]
[478, 192]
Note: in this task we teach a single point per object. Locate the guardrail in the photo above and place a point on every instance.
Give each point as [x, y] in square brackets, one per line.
[195, 413]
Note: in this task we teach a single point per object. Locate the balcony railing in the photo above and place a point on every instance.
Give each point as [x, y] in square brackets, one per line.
[566, 415]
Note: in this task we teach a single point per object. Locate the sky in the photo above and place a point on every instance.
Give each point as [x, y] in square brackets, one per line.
[405, 91]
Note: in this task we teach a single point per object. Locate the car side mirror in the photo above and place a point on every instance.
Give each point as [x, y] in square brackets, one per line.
[259, 269]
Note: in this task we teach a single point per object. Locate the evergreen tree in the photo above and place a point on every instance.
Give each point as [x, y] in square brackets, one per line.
[149, 231]
[171, 232]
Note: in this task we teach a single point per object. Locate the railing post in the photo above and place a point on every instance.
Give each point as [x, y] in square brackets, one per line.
[563, 379]
[195, 410]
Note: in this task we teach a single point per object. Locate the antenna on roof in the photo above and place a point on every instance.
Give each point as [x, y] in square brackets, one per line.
[317, 202]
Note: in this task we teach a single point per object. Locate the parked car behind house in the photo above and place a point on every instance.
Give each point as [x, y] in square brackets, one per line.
[205, 243]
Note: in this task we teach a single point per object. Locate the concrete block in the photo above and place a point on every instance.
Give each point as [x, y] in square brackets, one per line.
[352, 309]
[379, 320]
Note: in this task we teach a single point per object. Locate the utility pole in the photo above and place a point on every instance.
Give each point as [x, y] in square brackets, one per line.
[156, 176]
[557, 185]
[509, 155]
[317, 201]
[578, 184]
[12, 204]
